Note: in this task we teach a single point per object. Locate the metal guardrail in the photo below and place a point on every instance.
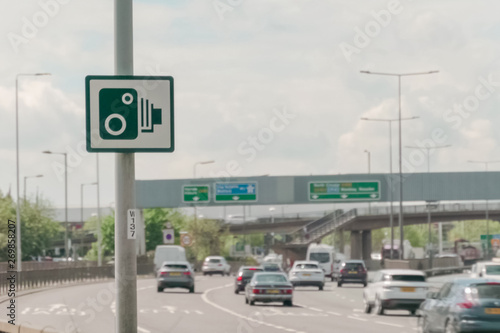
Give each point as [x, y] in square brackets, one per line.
[446, 270]
[45, 278]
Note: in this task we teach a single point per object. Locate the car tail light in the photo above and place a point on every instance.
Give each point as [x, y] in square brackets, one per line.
[493, 283]
[466, 305]
[163, 273]
[239, 278]
[251, 269]
[287, 291]
[219, 265]
[187, 273]
[342, 271]
[257, 291]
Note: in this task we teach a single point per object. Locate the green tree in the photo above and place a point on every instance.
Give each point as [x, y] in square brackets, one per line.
[209, 237]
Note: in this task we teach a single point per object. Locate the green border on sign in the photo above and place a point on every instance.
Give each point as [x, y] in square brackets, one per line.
[89, 78]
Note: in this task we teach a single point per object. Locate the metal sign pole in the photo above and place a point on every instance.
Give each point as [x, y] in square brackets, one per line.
[125, 254]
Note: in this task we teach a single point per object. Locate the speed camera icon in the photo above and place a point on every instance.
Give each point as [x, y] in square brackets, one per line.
[123, 114]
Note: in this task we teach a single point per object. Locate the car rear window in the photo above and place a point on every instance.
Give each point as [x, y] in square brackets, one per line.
[487, 290]
[175, 266]
[213, 261]
[306, 266]
[410, 278]
[354, 266]
[271, 267]
[320, 257]
[271, 278]
[250, 272]
[493, 269]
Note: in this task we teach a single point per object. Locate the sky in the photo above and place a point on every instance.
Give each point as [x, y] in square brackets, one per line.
[262, 87]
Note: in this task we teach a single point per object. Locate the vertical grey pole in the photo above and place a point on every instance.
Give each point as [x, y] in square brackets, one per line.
[488, 242]
[18, 208]
[401, 231]
[429, 248]
[125, 255]
[391, 219]
[99, 234]
[66, 247]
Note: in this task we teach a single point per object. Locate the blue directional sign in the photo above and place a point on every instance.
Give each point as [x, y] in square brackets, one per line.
[234, 192]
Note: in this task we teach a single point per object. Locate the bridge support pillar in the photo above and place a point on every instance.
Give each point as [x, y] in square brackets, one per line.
[356, 245]
[366, 240]
[341, 244]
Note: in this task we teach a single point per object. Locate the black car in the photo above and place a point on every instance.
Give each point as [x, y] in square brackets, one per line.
[271, 267]
[244, 275]
[353, 271]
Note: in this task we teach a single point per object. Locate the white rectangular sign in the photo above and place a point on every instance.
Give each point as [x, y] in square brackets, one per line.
[168, 236]
[130, 113]
[132, 216]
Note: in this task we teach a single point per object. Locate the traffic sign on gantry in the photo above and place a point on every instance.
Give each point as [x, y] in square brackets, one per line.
[130, 113]
[195, 193]
[235, 192]
[344, 191]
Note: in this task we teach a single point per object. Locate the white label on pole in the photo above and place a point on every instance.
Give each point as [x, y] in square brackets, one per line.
[132, 216]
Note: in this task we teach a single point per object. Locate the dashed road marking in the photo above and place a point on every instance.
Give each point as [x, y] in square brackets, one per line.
[140, 329]
[357, 318]
[334, 313]
[389, 324]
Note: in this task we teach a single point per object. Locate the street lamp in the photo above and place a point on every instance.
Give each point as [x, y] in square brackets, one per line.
[368, 153]
[428, 149]
[488, 243]
[431, 204]
[194, 176]
[401, 231]
[81, 200]
[66, 250]
[391, 218]
[25, 178]
[18, 209]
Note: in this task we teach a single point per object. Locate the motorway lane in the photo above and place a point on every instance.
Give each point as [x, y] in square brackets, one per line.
[213, 307]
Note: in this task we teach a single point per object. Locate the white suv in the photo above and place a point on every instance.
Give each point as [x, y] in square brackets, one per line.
[395, 289]
[486, 269]
[215, 265]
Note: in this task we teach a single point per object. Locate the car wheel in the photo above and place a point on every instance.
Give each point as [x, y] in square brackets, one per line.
[320, 287]
[332, 278]
[160, 289]
[204, 273]
[379, 307]
[236, 291]
[191, 290]
[339, 284]
[246, 300]
[252, 302]
[364, 285]
[423, 325]
[287, 303]
[450, 328]
[413, 312]
[368, 307]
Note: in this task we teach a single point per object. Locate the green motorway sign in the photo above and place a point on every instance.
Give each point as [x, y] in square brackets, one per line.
[344, 191]
[195, 193]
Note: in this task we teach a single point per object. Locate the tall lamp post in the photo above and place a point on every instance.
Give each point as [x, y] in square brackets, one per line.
[488, 243]
[401, 230]
[81, 199]
[428, 149]
[369, 171]
[391, 215]
[25, 178]
[66, 250]
[194, 176]
[18, 208]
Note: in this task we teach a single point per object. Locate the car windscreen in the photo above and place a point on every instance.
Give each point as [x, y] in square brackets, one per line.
[213, 261]
[306, 266]
[175, 266]
[271, 278]
[406, 278]
[354, 266]
[493, 269]
[320, 257]
[487, 290]
[250, 272]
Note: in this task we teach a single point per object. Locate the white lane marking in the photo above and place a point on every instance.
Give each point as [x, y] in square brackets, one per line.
[389, 324]
[204, 297]
[314, 309]
[140, 329]
[186, 311]
[198, 312]
[334, 313]
[144, 288]
[25, 311]
[352, 300]
[357, 318]
[357, 310]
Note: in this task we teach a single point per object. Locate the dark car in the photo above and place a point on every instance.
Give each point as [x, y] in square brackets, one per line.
[353, 271]
[269, 287]
[463, 305]
[271, 267]
[175, 274]
[244, 275]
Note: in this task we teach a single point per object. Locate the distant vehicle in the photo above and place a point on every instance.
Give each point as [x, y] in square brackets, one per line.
[469, 253]
[462, 305]
[391, 289]
[337, 265]
[486, 269]
[273, 258]
[175, 274]
[307, 273]
[244, 275]
[271, 267]
[353, 271]
[269, 287]
[324, 255]
[168, 253]
[215, 265]
[408, 250]
[376, 256]
[239, 219]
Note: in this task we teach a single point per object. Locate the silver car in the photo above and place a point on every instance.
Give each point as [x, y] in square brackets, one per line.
[269, 287]
[175, 274]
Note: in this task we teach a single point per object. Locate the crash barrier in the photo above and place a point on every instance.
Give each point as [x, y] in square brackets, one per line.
[36, 265]
[46, 278]
[9, 328]
[422, 264]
